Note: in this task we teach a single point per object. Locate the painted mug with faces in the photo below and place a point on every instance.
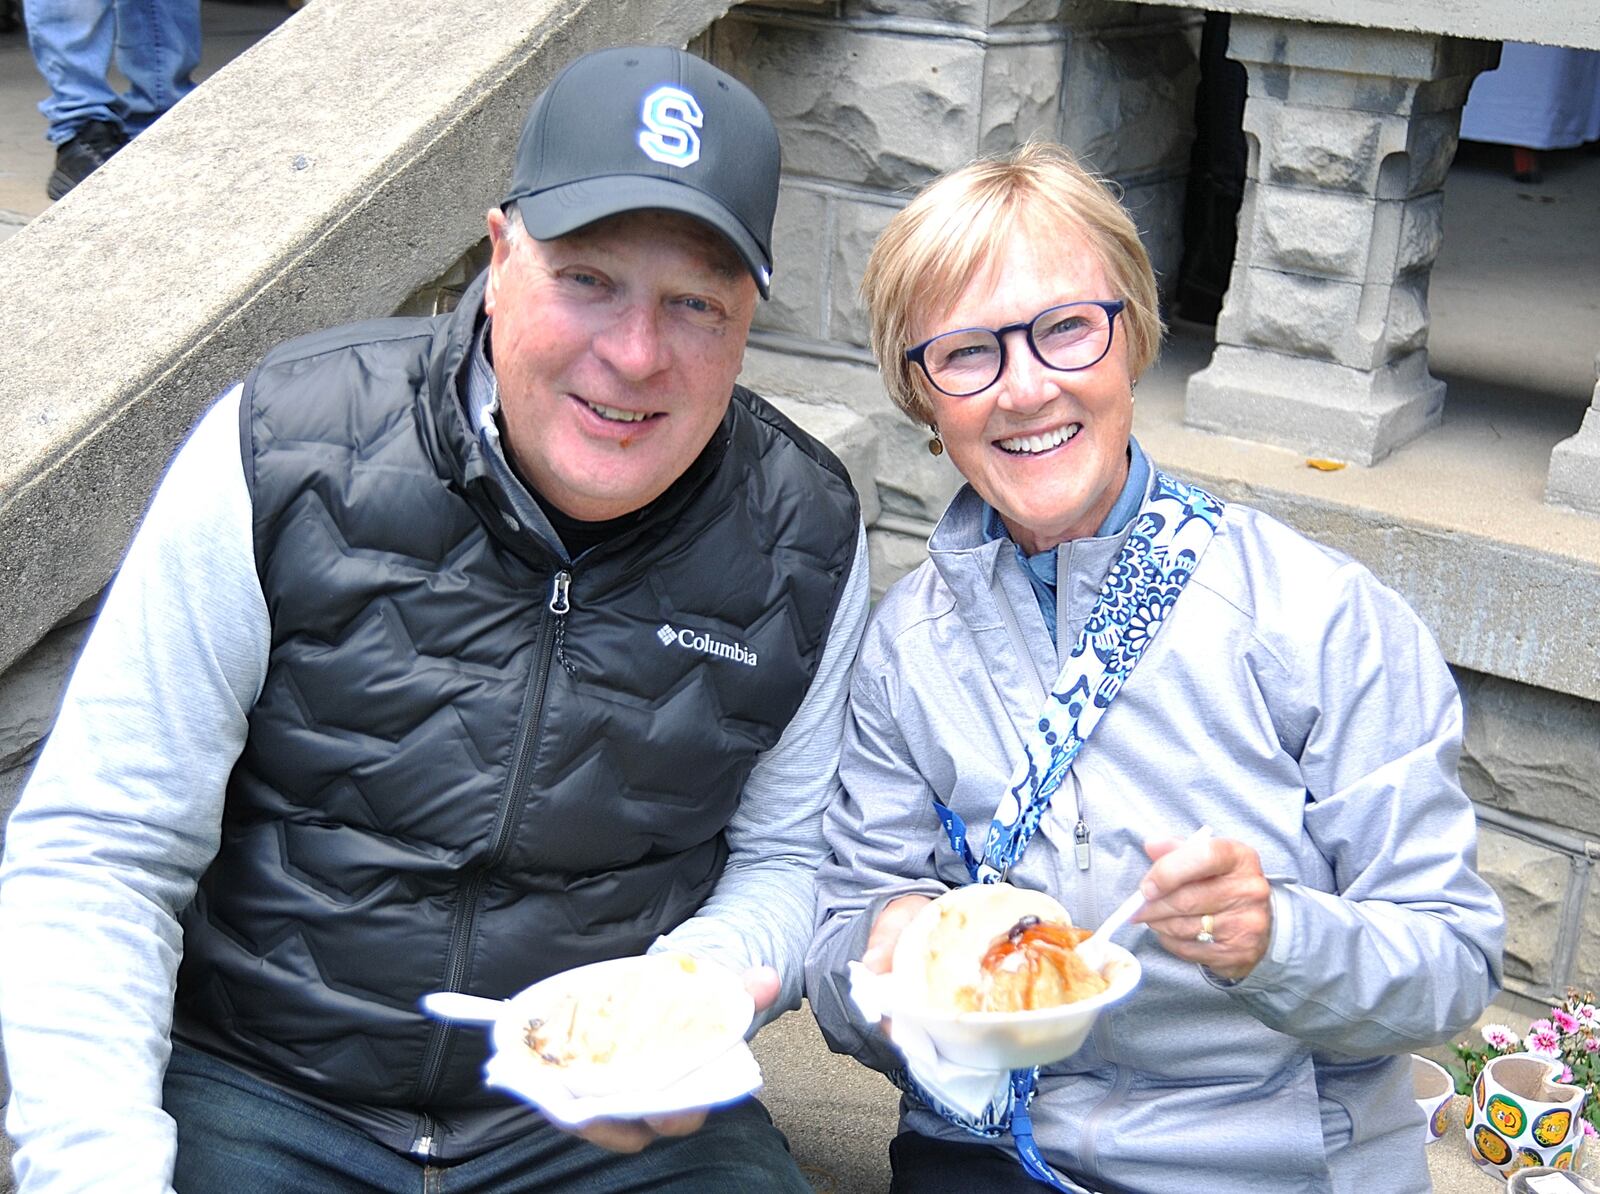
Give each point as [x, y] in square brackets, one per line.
[1521, 1116]
[1432, 1087]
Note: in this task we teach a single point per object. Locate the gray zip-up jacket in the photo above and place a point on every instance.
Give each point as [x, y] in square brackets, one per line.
[1291, 702]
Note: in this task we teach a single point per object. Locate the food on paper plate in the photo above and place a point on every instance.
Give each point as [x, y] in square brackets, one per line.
[635, 1023]
[994, 948]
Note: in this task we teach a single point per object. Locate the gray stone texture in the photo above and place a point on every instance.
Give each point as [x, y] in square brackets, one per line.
[974, 14]
[1319, 407]
[1127, 99]
[1022, 94]
[1586, 974]
[919, 117]
[1531, 752]
[1574, 480]
[800, 246]
[1531, 881]
[364, 186]
[857, 224]
[1352, 133]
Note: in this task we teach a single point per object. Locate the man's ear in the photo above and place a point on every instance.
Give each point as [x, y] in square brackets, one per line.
[499, 250]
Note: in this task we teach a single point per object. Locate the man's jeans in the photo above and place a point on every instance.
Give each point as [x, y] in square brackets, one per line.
[156, 44]
[236, 1133]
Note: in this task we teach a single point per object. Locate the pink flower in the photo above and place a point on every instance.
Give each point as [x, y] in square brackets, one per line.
[1566, 1074]
[1563, 1020]
[1588, 1130]
[1544, 1041]
[1499, 1036]
[1591, 1044]
[1586, 1015]
[1540, 1026]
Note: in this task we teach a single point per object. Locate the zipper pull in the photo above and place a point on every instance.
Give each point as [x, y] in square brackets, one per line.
[1080, 836]
[558, 593]
[422, 1146]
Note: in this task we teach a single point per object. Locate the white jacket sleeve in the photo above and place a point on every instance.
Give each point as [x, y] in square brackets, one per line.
[760, 911]
[120, 818]
[1406, 951]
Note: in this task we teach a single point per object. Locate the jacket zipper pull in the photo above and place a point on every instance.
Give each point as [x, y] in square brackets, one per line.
[1080, 836]
[558, 593]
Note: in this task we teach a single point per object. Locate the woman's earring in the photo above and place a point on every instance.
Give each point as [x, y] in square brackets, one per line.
[935, 444]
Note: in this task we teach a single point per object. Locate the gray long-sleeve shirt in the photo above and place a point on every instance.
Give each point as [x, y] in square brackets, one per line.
[122, 815]
[1292, 702]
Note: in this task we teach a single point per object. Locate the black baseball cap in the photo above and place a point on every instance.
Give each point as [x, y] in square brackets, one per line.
[637, 127]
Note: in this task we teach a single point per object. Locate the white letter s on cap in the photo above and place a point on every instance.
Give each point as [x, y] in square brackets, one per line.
[671, 116]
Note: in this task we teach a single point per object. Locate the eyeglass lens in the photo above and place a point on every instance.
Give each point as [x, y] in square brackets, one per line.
[1071, 336]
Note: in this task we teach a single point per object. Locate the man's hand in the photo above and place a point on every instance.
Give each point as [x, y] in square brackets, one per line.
[631, 1135]
[1213, 886]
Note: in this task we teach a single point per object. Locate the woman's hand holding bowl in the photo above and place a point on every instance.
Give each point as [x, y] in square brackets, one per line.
[878, 957]
[1209, 903]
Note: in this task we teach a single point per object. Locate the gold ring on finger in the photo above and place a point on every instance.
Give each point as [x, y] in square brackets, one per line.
[1207, 924]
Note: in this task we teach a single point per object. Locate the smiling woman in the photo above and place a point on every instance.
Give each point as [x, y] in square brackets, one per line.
[615, 350]
[1096, 658]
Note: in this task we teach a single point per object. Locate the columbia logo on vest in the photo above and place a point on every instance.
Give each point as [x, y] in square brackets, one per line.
[695, 640]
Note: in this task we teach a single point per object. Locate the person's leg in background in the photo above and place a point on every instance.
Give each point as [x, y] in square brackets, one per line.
[157, 48]
[72, 43]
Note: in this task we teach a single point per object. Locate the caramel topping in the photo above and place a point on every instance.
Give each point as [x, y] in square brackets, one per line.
[1034, 964]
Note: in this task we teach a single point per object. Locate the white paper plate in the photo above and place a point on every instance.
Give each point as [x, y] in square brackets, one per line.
[680, 1025]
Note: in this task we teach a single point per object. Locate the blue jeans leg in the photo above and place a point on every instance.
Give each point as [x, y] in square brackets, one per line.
[158, 47]
[238, 1134]
[72, 43]
[738, 1151]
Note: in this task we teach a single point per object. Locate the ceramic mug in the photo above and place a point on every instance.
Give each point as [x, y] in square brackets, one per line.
[1433, 1088]
[1520, 1116]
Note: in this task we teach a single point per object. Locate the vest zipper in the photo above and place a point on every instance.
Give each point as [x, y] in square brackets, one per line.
[511, 802]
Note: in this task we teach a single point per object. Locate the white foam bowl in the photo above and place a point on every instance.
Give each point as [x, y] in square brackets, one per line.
[1016, 1040]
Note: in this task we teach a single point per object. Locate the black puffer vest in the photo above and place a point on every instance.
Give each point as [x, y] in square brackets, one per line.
[452, 780]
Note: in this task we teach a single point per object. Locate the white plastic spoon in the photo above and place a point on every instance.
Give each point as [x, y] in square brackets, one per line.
[1089, 948]
[469, 1009]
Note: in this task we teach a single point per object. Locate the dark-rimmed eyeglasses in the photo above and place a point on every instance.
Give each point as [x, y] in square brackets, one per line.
[1066, 338]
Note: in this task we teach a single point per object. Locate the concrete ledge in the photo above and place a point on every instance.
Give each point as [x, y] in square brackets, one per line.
[324, 175]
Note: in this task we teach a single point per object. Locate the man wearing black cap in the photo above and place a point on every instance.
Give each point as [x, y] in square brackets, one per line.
[453, 653]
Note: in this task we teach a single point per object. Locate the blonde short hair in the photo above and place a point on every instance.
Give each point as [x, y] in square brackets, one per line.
[934, 248]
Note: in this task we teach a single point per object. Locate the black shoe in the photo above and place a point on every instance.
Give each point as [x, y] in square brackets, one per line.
[80, 157]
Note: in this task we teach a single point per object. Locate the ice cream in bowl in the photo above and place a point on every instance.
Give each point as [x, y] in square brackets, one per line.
[993, 975]
[626, 1037]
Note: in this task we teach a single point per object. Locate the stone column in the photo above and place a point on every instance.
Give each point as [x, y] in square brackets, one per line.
[1575, 462]
[1322, 340]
